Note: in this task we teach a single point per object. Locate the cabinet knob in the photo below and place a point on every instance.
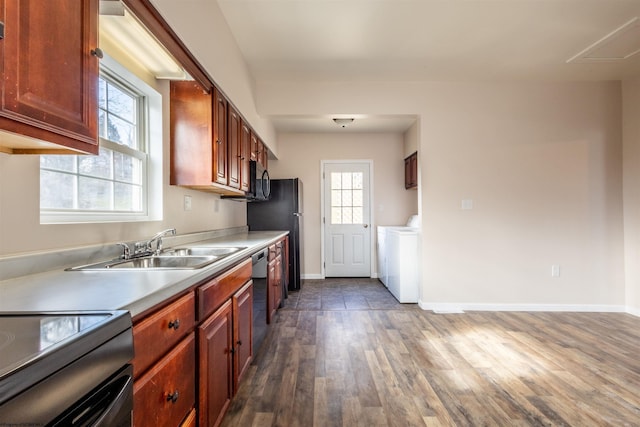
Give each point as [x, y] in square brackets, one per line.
[239, 342]
[97, 52]
[174, 324]
[173, 397]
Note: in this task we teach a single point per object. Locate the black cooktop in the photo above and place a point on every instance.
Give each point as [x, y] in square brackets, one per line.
[35, 345]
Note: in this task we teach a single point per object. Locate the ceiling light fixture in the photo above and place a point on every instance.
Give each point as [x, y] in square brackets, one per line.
[343, 122]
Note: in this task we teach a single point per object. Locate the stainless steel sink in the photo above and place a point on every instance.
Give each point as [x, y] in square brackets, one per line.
[187, 258]
[153, 263]
[167, 262]
[218, 251]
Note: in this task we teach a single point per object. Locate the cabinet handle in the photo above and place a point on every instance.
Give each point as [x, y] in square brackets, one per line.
[218, 141]
[173, 397]
[174, 324]
[97, 52]
[1, 30]
[239, 342]
[232, 350]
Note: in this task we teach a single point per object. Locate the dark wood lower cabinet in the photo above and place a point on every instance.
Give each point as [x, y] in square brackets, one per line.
[225, 340]
[166, 393]
[242, 303]
[215, 362]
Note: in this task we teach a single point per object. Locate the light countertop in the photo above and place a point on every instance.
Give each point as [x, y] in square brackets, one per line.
[112, 289]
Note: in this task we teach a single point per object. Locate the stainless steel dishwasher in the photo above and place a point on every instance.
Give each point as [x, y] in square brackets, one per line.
[66, 369]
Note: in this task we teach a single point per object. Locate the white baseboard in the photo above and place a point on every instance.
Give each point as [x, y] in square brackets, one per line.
[312, 276]
[462, 307]
[633, 311]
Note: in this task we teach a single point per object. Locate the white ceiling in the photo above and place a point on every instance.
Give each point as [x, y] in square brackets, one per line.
[415, 40]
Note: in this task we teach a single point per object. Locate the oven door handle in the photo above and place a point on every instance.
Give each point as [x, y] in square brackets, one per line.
[122, 403]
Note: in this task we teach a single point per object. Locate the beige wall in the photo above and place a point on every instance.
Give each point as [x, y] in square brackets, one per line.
[631, 137]
[300, 157]
[20, 229]
[542, 164]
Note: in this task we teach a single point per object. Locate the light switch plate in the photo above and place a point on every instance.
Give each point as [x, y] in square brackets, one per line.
[467, 204]
[187, 203]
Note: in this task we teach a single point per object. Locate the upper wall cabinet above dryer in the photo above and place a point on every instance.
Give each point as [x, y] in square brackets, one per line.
[49, 57]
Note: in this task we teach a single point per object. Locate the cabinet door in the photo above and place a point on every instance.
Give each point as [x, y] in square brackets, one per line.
[245, 155]
[262, 154]
[271, 296]
[166, 393]
[234, 129]
[411, 171]
[254, 146]
[215, 362]
[277, 284]
[242, 331]
[192, 148]
[220, 138]
[49, 74]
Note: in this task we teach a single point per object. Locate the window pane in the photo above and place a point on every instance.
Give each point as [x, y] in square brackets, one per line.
[102, 124]
[121, 132]
[347, 200]
[357, 198]
[127, 168]
[357, 180]
[336, 181]
[98, 166]
[121, 104]
[336, 198]
[102, 93]
[346, 180]
[336, 216]
[61, 163]
[57, 190]
[357, 215]
[94, 194]
[127, 197]
[347, 215]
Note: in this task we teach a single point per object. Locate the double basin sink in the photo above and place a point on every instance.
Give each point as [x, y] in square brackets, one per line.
[187, 258]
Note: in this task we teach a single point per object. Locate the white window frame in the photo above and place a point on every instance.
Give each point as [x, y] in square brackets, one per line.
[151, 142]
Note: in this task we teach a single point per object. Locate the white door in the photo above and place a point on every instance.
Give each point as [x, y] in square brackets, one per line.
[347, 231]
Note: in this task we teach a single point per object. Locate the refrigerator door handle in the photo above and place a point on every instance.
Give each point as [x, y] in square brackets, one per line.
[297, 214]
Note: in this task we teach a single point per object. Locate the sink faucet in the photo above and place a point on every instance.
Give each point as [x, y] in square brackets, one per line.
[146, 247]
[158, 239]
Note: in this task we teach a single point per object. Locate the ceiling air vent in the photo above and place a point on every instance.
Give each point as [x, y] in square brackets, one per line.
[618, 45]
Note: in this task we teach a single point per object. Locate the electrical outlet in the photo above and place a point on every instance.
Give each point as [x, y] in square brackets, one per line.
[555, 270]
[187, 203]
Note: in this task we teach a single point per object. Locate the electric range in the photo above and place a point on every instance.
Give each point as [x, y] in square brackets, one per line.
[61, 356]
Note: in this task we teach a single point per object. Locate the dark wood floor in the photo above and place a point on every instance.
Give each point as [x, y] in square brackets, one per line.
[345, 353]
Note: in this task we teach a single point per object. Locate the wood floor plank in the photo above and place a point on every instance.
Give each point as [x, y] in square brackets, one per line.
[344, 353]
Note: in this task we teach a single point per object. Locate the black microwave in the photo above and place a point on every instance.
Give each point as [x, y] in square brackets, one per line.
[259, 185]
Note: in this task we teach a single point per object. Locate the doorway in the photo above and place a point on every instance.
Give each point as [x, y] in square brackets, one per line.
[346, 200]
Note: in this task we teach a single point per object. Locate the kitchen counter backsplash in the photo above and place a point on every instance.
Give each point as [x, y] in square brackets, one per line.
[18, 265]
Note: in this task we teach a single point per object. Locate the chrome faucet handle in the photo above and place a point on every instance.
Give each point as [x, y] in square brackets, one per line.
[126, 251]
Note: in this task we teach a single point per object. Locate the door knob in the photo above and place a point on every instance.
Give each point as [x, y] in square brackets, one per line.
[366, 225]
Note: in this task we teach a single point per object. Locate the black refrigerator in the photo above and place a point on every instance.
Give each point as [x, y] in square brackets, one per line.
[283, 211]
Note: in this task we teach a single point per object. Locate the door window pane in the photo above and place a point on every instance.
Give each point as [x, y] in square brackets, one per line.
[346, 197]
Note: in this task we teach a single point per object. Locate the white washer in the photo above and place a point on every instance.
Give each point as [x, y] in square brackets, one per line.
[398, 260]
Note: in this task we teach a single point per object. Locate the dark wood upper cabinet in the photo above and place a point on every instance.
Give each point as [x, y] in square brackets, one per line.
[191, 131]
[254, 146]
[221, 138]
[49, 69]
[411, 171]
[234, 132]
[245, 155]
[200, 142]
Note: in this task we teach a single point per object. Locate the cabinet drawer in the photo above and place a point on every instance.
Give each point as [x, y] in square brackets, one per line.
[214, 293]
[166, 394]
[159, 332]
